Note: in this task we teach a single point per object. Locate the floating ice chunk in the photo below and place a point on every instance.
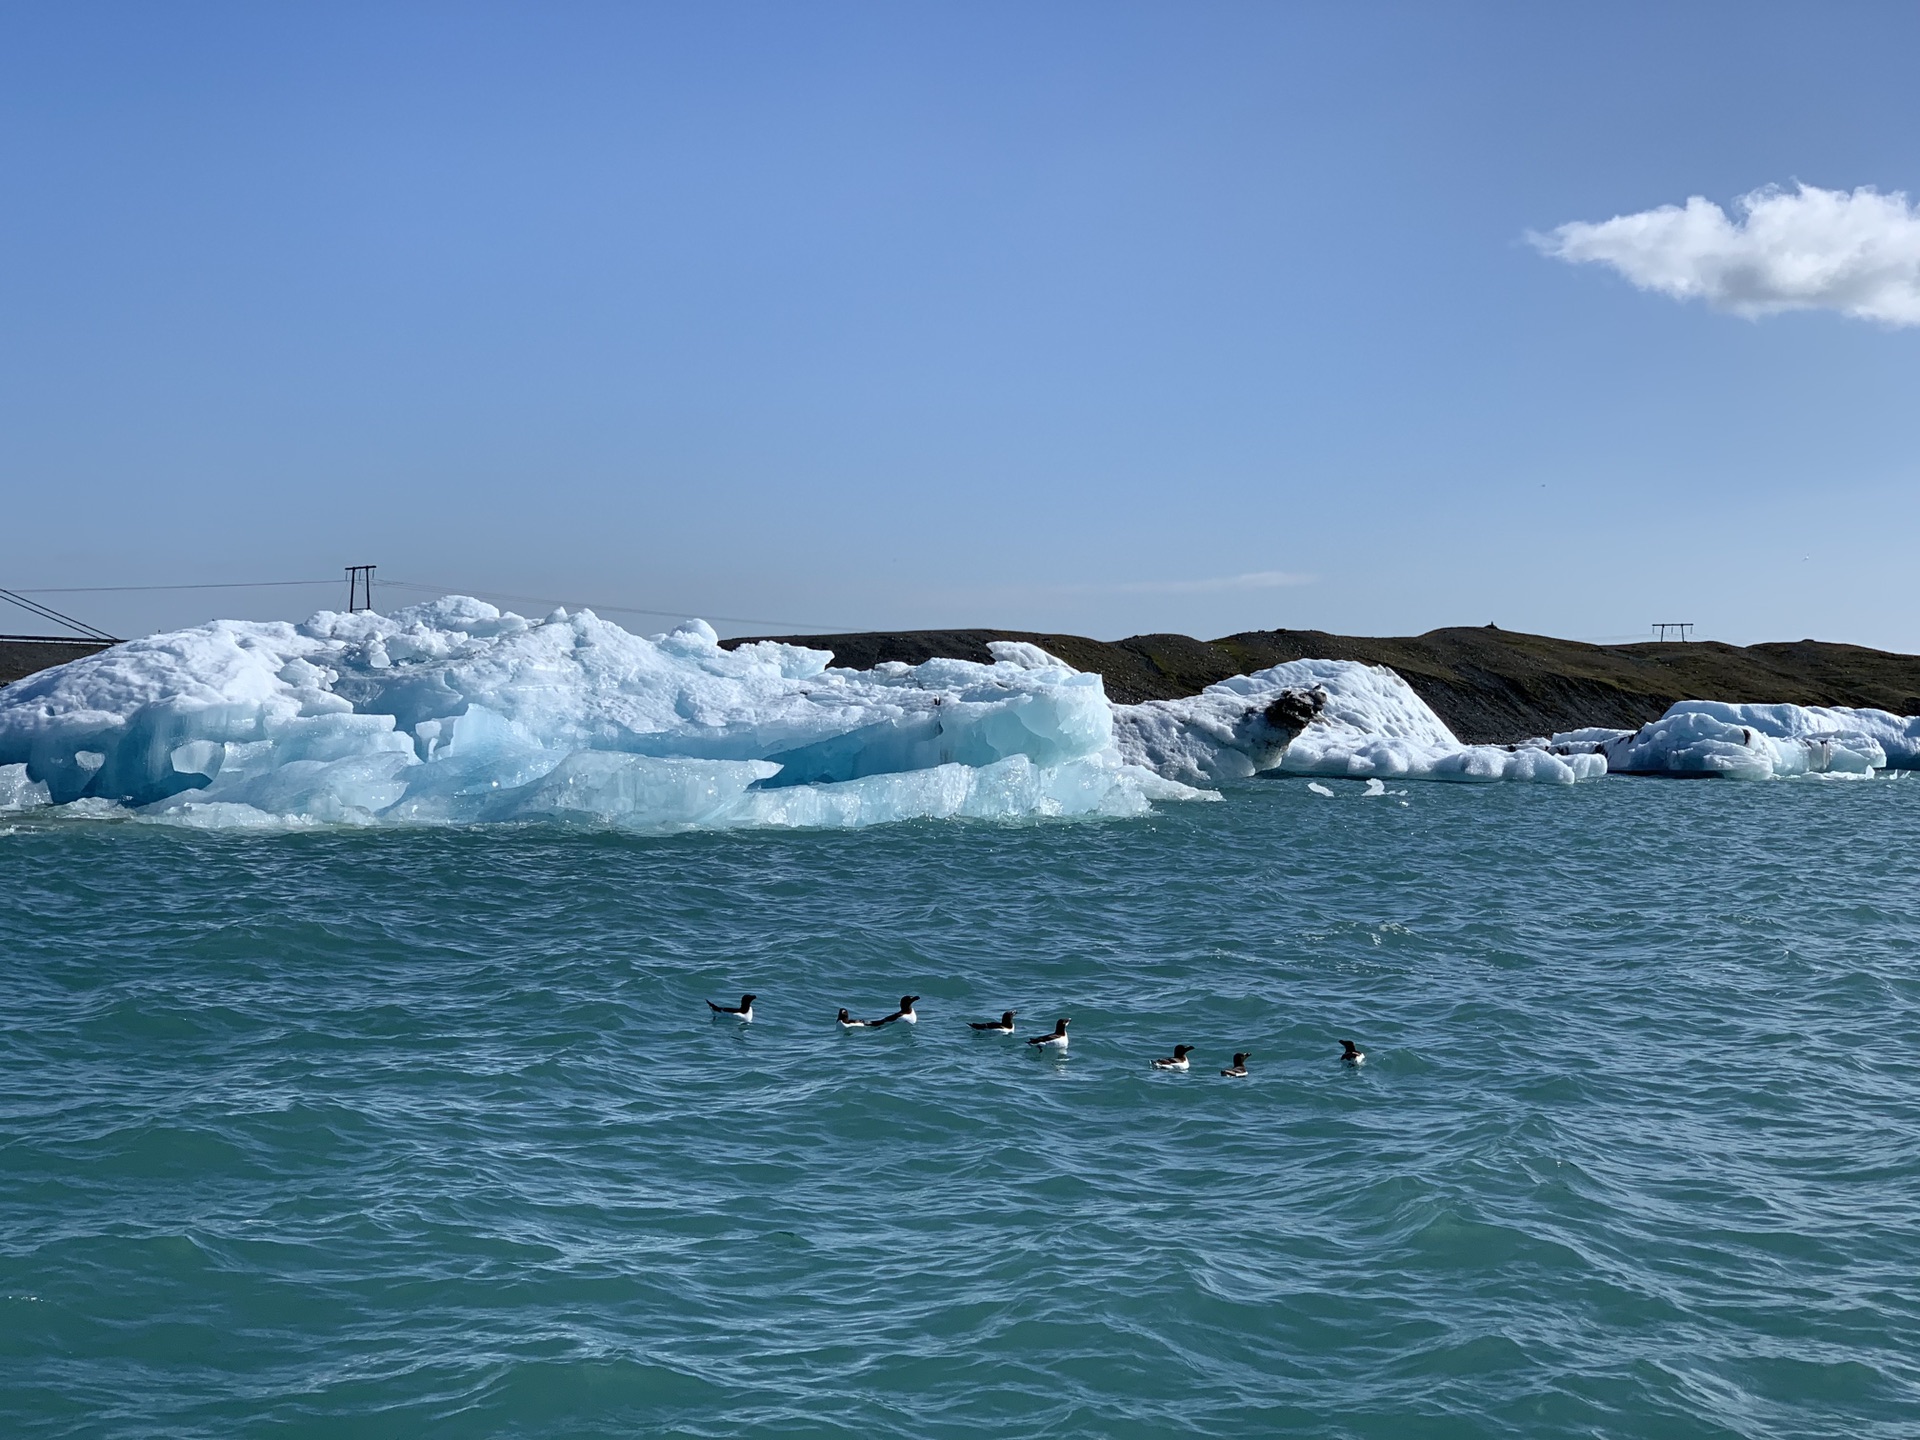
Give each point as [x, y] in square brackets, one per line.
[1374, 787]
[453, 712]
[220, 815]
[1323, 717]
[1753, 742]
[1861, 739]
[1317, 788]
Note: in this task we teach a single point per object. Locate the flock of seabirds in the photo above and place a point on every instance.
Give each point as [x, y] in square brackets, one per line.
[1055, 1041]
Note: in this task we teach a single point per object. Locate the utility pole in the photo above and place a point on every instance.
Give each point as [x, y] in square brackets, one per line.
[359, 588]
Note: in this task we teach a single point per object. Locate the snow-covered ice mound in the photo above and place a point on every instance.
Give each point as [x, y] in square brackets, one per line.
[456, 713]
[1755, 742]
[1359, 720]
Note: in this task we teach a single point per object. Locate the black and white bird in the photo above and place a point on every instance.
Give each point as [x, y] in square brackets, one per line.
[1175, 1061]
[847, 1022]
[1352, 1053]
[1238, 1070]
[905, 1012]
[1057, 1040]
[1002, 1026]
[743, 1011]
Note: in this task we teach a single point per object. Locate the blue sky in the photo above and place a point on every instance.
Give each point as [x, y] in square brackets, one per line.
[1102, 318]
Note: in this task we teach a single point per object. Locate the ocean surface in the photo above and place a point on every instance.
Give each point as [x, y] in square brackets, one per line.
[429, 1133]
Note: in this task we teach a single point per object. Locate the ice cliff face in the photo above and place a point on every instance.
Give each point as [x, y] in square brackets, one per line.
[456, 713]
[1323, 717]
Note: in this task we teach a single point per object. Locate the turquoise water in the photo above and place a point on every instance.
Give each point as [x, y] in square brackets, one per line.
[429, 1134]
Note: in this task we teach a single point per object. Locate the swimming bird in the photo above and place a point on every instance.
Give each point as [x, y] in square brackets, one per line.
[1352, 1053]
[743, 1011]
[1002, 1026]
[1057, 1040]
[847, 1022]
[1175, 1061]
[1238, 1070]
[905, 1012]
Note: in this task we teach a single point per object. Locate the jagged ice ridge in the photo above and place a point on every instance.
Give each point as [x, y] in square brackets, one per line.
[453, 712]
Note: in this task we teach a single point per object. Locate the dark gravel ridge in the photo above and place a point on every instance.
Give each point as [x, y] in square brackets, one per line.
[21, 658]
[1491, 686]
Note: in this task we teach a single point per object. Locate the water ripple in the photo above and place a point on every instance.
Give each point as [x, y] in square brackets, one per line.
[430, 1134]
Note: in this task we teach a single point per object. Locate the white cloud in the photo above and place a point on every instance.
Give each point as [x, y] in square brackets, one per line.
[1807, 249]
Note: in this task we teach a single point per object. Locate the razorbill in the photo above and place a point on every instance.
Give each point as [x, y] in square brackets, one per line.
[1237, 1070]
[1002, 1026]
[742, 1011]
[905, 1012]
[1175, 1061]
[847, 1022]
[1057, 1040]
[1352, 1053]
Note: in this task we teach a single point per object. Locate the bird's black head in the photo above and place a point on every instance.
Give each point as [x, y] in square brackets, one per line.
[746, 1001]
[1060, 1027]
[1180, 1052]
[1241, 1057]
[1007, 1019]
[907, 1001]
[1347, 1047]
[843, 1013]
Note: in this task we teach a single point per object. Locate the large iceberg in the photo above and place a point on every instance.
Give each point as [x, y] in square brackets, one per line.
[454, 712]
[1323, 717]
[1754, 742]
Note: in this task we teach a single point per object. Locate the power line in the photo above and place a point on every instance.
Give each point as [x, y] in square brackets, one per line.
[47, 612]
[213, 585]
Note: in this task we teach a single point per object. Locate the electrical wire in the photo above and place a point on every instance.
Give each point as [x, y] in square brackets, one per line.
[47, 612]
[211, 585]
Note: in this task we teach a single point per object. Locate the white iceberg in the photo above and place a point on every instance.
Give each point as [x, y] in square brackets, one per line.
[1323, 717]
[454, 712]
[1755, 742]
